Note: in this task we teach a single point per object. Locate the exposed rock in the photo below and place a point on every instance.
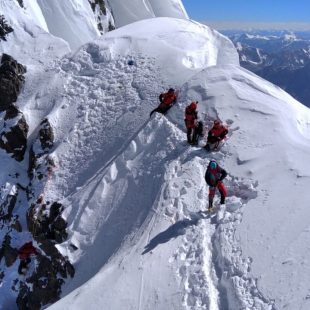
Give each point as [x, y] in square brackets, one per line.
[4, 28]
[104, 20]
[1, 277]
[11, 112]
[46, 282]
[13, 138]
[46, 135]
[6, 208]
[100, 4]
[32, 163]
[21, 4]
[11, 81]
[46, 226]
[47, 279]
[7, 252]
[16, 225]
[40, 163]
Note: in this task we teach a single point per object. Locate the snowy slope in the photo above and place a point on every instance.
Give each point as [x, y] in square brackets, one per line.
[209, 266]
[118, 216]
[181, 48]
[132, 188]
[194, 265]
[30, 44]
[72, 20]
[97, 82]
[125, 14]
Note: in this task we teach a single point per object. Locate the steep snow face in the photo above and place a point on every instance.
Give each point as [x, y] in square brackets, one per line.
[210, 263]
[72, 20]
[143, 186]
[29, 43]
[33, 9]
[132, 188]
[125, 14]
[103, 106]
[180, 47]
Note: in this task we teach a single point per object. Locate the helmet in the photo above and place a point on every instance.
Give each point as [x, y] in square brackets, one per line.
[170, 90]
[217, 122]
[213, 164]
[193, 105]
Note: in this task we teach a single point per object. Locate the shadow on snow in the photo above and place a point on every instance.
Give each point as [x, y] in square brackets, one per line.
[175, 230]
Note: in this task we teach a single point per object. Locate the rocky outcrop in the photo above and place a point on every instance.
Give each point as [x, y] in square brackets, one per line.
[11, 81]
[40, 164]
[13, 134]
[44, 285]
[104, 17]
[21, 3]
[7, 206]
[46, 223]
[7, 252]
[47, 226]
[45, 282]
[5, 29]
[13, 137]
[46, 135]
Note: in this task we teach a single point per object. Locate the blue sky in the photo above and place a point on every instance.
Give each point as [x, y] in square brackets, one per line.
[267, 11]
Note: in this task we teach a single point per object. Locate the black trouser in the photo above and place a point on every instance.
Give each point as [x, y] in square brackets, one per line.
[190, 132]
[23, 264]
[192, 135]
[162, 110]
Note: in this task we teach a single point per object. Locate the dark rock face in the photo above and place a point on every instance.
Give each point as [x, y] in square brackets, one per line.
[14, 140]
[100, 4]
[49, 226]
[5, 29]
[46, 282]
[40, 164]
[48, 229]
[20, 2]
[46, 135]
[44, 220]
[11, 81]
[6, 208]
[13, 135]
[99, 9]
[7, 252]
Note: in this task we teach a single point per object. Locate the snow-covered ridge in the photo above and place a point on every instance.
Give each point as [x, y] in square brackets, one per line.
[81, 21]
[131, 187]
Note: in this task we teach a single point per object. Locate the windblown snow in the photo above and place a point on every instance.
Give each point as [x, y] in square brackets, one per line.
[131, 186]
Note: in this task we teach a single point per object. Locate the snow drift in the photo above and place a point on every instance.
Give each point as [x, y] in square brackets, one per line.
[132, 188]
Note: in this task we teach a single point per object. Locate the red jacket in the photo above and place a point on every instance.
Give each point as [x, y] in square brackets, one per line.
[190, 117]
[168, 98]
[217, 133]
[26, 250]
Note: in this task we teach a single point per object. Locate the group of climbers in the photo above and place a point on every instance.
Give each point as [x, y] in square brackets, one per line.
[214, 174]
[195, 128]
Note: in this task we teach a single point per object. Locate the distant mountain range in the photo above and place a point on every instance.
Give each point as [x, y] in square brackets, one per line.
[281, 57]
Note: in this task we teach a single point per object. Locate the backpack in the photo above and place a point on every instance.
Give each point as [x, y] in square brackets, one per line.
[210, 177]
